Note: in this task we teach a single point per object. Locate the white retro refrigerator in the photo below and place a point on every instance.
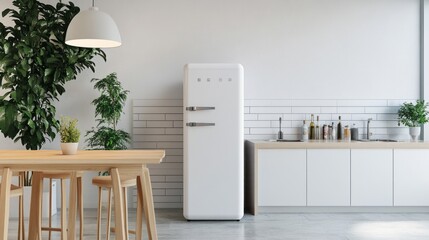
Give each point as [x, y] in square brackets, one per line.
[213, 142]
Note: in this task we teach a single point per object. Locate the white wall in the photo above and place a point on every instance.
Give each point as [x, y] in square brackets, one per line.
[291, 49]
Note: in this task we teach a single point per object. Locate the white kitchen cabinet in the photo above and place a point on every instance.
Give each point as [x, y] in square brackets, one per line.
[371, 177]
[411, 177]
[282, 177]
[328, 177]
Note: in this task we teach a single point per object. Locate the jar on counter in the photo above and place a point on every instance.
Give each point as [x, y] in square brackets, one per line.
[347, 133]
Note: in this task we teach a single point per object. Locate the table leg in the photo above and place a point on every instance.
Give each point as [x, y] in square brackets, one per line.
[5, 202]
[35, 225]
[146, 189]
[72, 207]
[139, 210]
[119, 205]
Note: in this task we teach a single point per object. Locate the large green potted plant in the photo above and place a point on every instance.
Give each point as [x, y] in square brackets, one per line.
[413, 116]
[35, 64]
[108, 108]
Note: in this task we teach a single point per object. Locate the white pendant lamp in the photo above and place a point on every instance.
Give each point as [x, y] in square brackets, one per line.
[93, 29]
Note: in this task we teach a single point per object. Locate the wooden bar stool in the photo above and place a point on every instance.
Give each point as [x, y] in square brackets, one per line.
[63, 229]
[18, 191]
[106, 182]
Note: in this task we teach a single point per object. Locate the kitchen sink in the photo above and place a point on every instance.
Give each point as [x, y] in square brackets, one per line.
[287, 140]
[377, 140]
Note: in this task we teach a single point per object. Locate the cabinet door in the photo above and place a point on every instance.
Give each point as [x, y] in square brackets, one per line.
[411, 177]
[328, 177]
[371, 177]
[282, 177]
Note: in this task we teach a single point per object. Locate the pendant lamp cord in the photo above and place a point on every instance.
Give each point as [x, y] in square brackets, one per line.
[93, 3]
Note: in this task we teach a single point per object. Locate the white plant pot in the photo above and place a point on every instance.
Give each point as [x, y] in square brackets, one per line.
[69, 148]
[415, 133]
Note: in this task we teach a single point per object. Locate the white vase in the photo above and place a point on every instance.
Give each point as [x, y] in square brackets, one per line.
[415, 133]
[69, 148]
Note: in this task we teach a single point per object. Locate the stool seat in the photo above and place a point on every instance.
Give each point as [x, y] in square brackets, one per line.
[18, 191]
[63, 176]
[60, 174]
[106, 181]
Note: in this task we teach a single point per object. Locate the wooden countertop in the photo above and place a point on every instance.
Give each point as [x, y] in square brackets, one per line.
[320, 144]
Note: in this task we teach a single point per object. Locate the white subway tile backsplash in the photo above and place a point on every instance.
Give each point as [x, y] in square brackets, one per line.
[158, 138]
[387, 116]
[167, 185]
[174, 178]
[314, 103]
[157, 102]
[267, 102]
[173, 158]
[270, 109]
[165, 172]
[158, 178]
[358, 103]
[166, 165]
[174, 192]
[175, 116]
[173, 152]
[151, 117]
[158, 124]
[276, 124]
[263, 131]
[344, 117]
[351, 110]
[168, 205]
[399, 102]
[249, 117]
[178, 124]
[381, 109]
[158, 110]
[274, 116]
[364, 116]
[328, 110]
[305, 109]
[257, 124]
[139, 124]
[173, 130]
[144, 145]
[300, 117]
[163, 145]
[148, 131]
[166, 199]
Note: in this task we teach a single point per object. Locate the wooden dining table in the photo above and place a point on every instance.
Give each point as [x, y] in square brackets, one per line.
[118, 162]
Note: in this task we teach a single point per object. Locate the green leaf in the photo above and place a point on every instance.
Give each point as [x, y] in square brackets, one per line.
[31, 124]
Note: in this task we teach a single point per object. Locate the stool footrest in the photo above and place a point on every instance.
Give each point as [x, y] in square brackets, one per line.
[112, 229]
[51, 229]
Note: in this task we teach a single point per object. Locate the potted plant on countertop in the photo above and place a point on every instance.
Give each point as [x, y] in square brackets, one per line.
[69, 135]
[413, 116]
[108, 107]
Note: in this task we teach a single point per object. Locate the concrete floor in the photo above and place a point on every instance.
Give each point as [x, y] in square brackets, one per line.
[345, 226]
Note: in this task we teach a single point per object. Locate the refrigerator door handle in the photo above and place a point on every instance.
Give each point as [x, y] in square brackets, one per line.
[192, 109]
[196, 124]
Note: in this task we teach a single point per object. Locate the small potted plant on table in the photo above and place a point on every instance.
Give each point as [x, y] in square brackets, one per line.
[413, 116]
[69, 135]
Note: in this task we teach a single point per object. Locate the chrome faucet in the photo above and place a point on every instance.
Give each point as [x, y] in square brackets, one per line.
[280, 134]
[368, 132]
